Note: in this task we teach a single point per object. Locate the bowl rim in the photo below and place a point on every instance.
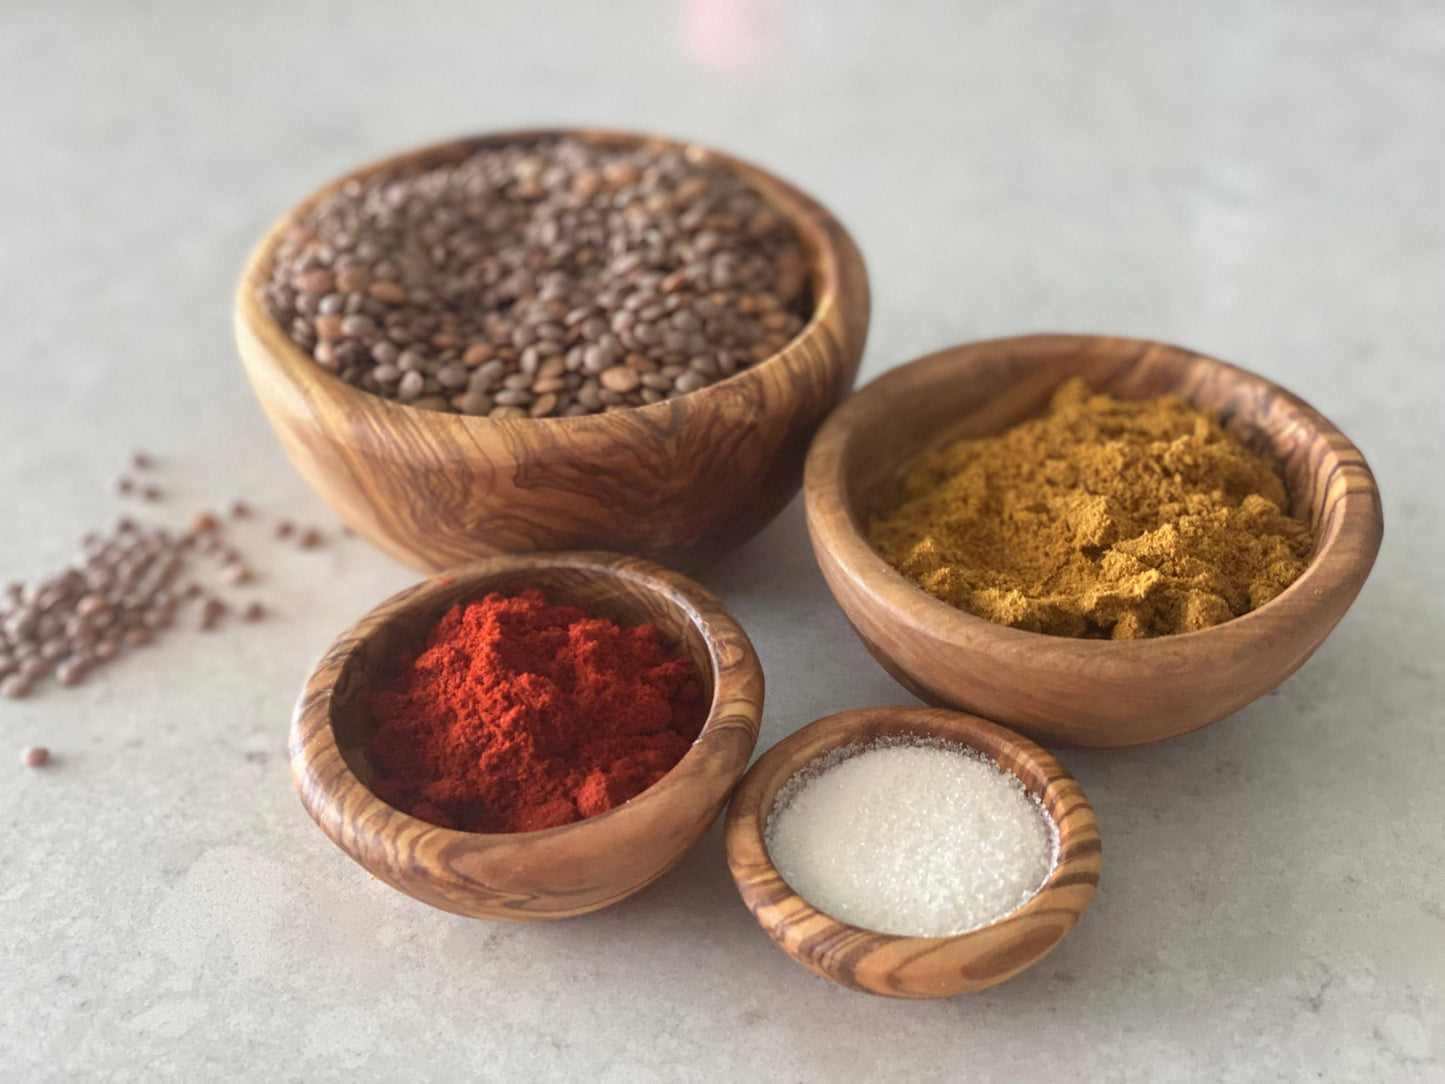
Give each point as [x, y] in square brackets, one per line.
[335, 796]
[1349, 545]
[778, 908]
[813, 222]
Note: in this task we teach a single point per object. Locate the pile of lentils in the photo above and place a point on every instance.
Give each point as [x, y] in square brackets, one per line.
[120, 594]
[546, 278]
[130, 583]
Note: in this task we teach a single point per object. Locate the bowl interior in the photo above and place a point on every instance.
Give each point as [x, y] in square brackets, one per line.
[984, 388]
[604, 594]
[1011, 753]
[819, 253]
[871, 725]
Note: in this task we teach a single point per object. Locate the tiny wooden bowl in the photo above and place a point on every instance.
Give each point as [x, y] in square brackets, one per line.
[1058, 689]
[682, 482]
[556, 872]
[914, 967]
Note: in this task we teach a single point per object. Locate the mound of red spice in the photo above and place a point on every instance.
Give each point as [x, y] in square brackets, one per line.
[518, 715]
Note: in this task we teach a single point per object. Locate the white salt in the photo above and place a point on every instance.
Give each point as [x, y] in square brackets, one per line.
[910, 836]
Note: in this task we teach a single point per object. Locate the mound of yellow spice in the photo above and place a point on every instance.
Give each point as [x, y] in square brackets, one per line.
[1105, 518]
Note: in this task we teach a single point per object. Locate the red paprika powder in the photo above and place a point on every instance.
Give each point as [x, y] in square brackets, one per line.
[518, 715]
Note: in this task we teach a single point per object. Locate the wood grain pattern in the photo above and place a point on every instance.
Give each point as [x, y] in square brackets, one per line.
[557, 872]
[682, 481]
[1060, 690]
[914, 967]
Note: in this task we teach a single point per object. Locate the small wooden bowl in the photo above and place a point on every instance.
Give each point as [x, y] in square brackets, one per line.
[683, 481]
[557, 872]
[914, 967]
[1057, 689]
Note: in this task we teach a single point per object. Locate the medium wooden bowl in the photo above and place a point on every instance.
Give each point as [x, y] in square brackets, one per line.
[682, 481]
[556, 872]
[1057, 689]
[914, 967]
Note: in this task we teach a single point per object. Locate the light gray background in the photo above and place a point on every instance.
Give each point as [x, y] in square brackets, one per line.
[1260, 181]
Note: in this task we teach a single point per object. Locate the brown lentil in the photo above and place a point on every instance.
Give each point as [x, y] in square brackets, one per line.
[620, 379]
[35, 756]
[212, 610]
[437, 286]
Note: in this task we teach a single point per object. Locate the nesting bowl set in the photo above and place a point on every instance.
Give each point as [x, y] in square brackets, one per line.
[590, 509]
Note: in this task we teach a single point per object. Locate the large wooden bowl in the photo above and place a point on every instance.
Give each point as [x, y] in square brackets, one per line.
[1057, 689]
[914, 967]
[556, 872]
[682, 481]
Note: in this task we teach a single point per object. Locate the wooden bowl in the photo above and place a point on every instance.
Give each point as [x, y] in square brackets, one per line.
[556, 872]
[682, 481]
[1057, 689]
[914, 967]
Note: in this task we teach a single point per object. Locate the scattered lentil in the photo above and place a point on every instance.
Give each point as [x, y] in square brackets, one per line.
[122, 590]
[35, 756]
[212, 610]
[69, 622]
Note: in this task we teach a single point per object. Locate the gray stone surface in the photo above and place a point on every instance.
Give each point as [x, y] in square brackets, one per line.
[1260, 181]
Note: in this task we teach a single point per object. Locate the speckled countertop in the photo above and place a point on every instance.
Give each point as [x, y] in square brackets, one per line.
[1259, 181]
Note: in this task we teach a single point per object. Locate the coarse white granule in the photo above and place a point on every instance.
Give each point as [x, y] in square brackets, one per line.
[914, 837]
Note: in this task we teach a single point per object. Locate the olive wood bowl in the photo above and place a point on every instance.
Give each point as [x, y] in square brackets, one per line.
[682, 482]
[555, 872]
[1057, 689]
[914, 967]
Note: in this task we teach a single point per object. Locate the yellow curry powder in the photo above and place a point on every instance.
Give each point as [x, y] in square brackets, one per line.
[1105, 518]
